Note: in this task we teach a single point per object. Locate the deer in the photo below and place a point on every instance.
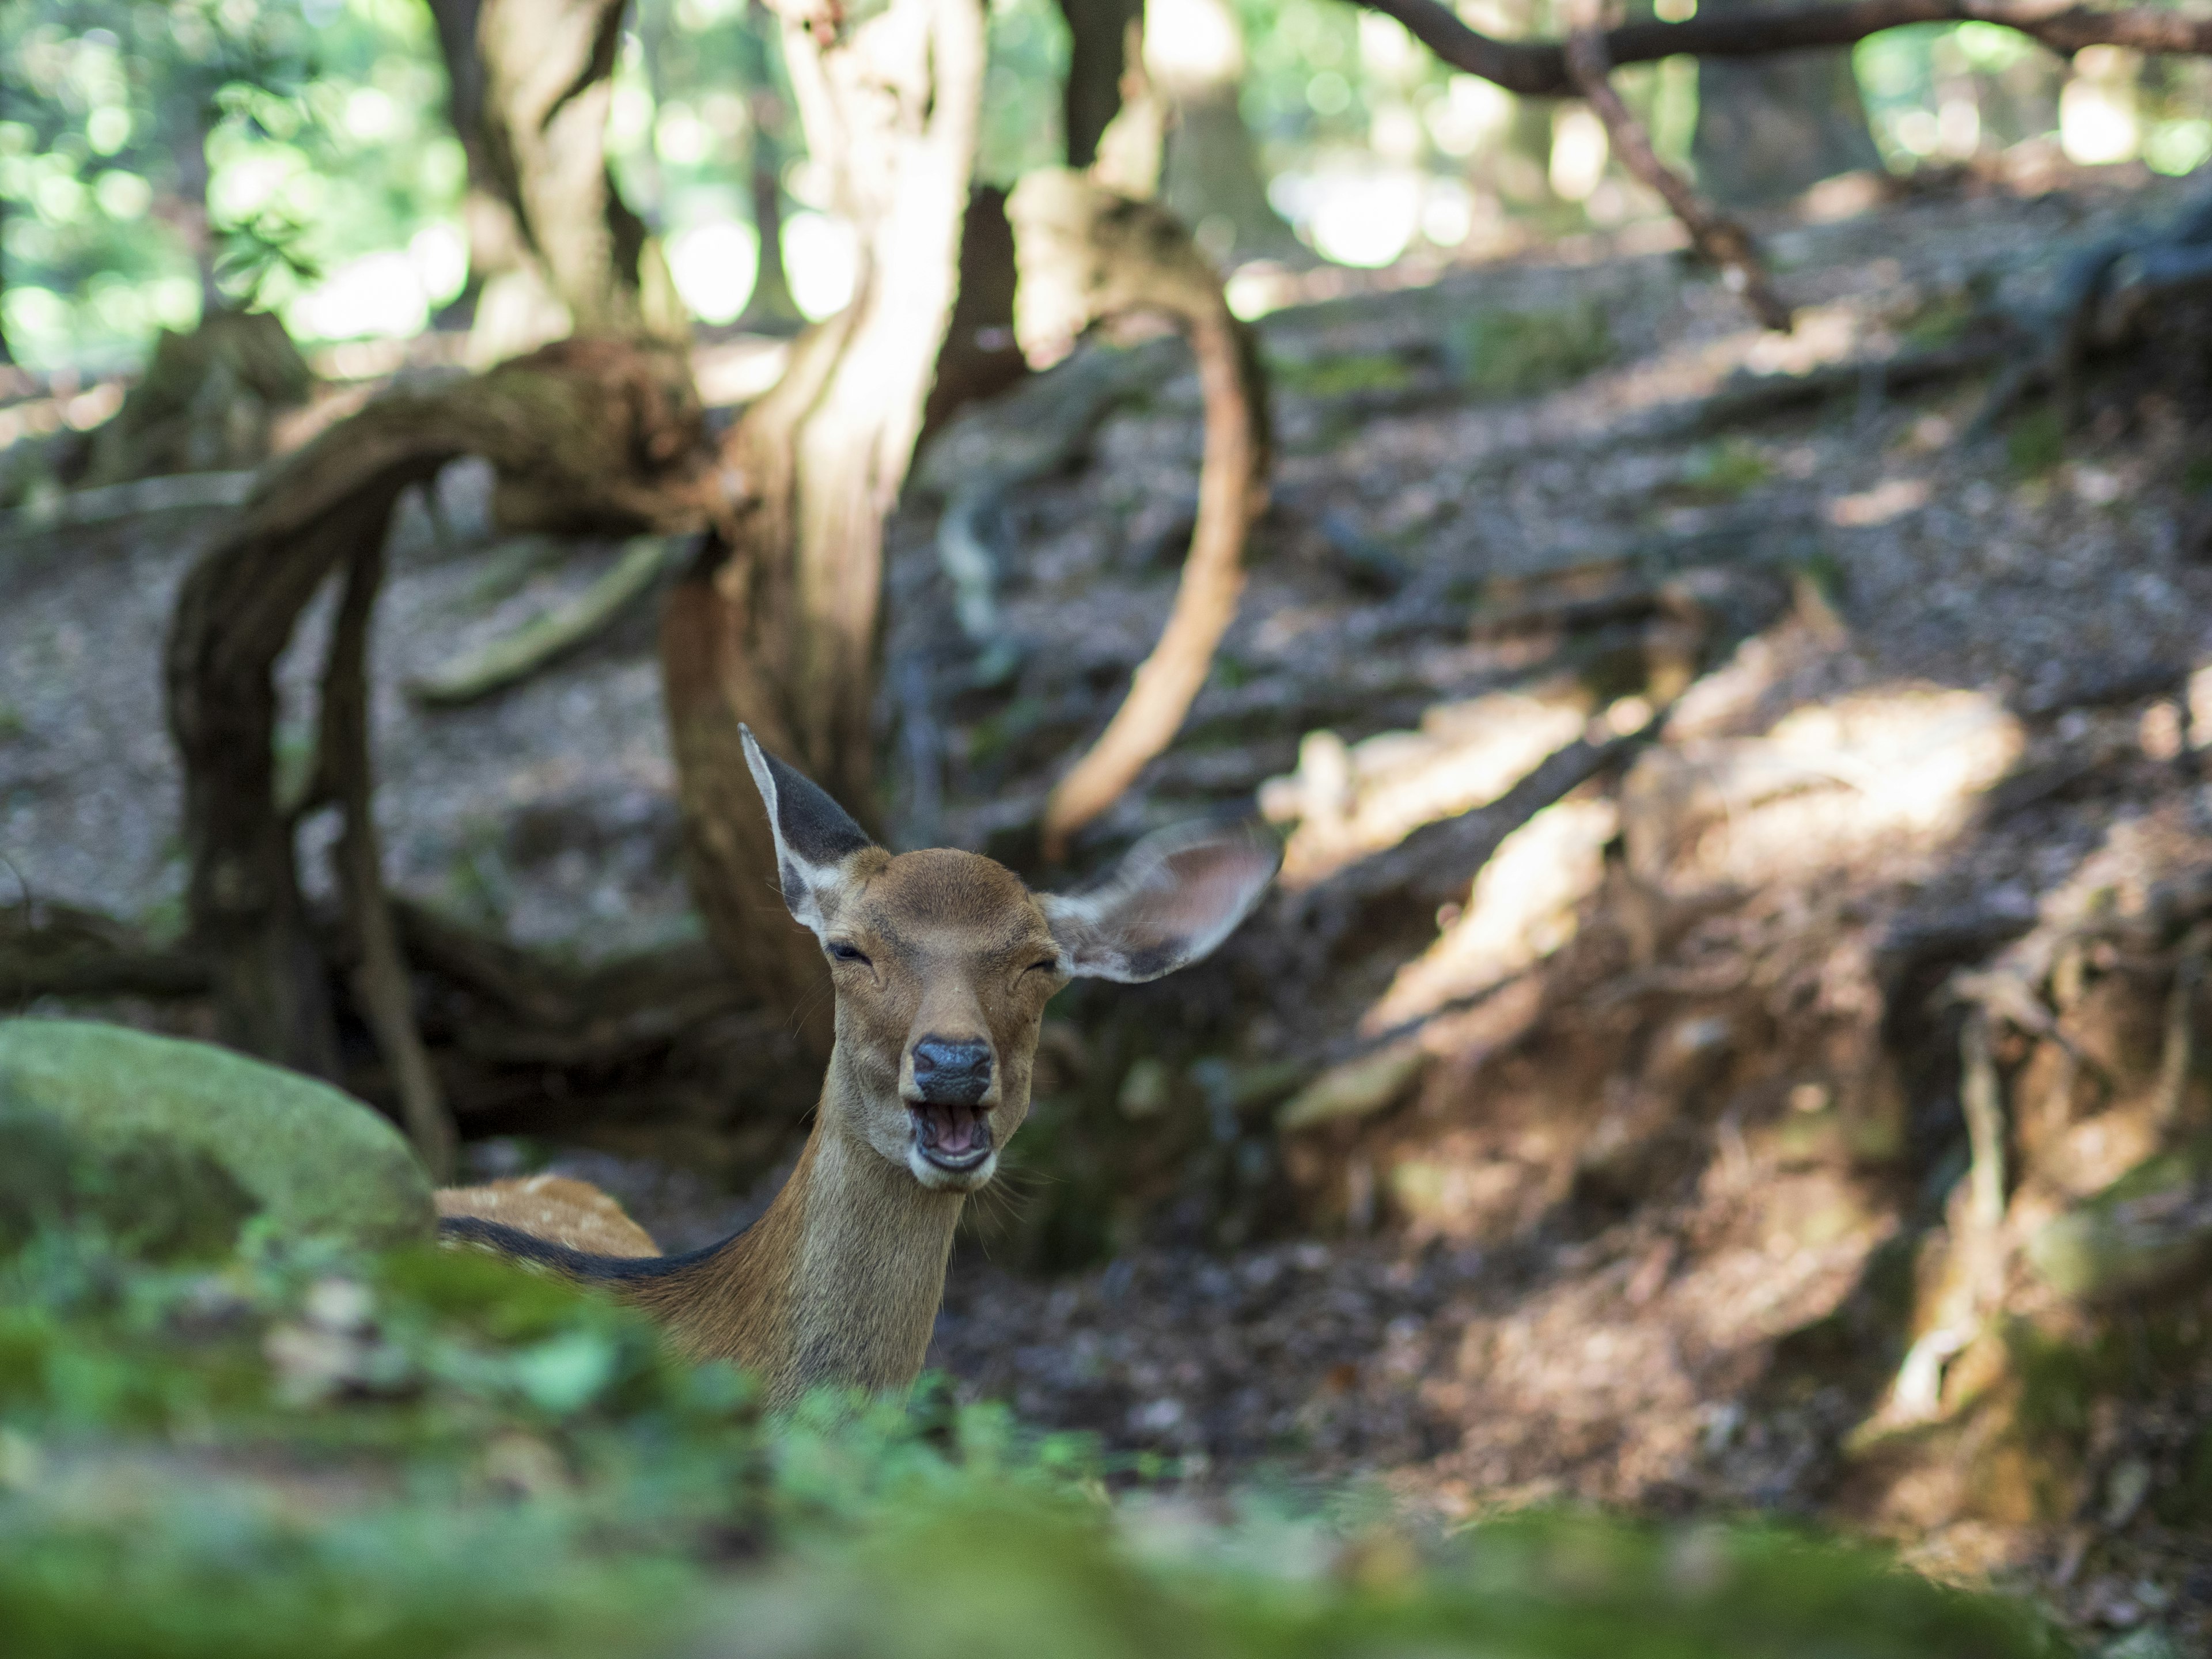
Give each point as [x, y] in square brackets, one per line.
[942, 962]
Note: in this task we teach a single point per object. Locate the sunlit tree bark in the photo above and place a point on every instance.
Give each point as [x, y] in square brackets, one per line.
[778, 626]
[531, 81]
[1099, 35]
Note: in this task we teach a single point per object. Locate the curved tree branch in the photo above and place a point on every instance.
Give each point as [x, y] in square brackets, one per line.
[1538, 68]
[1086, 253]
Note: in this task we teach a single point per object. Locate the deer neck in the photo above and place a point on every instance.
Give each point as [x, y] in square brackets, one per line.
[839, 1283]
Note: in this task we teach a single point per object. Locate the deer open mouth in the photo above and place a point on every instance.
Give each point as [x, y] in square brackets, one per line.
[951, 1136]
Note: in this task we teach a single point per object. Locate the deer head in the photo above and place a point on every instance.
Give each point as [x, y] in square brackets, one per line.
[943, 962]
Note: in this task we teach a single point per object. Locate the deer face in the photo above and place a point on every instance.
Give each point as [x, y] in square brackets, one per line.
[943, 962]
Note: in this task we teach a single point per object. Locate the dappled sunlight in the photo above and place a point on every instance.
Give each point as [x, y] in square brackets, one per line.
[1524, 906]
[1349, 801]
[1869, 779]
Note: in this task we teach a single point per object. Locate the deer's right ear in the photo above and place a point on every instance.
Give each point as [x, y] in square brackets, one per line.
[814, 835]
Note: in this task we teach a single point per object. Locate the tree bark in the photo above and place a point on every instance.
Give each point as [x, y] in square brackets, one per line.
[1210, 177]
[1099, 35]
[489, 221]
[770, 309]
[1538, 69]
[980, 358]
[547, 69]
[777, 627]
[1770, 128]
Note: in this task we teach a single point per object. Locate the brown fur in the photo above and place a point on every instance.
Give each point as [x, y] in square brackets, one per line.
[839, 1283]
[555, 1208]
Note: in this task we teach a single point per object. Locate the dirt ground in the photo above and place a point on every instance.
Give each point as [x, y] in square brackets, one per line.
[1652, 1178]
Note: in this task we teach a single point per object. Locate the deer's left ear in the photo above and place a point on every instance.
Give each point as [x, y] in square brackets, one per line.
[1173, 898]
[814, 836]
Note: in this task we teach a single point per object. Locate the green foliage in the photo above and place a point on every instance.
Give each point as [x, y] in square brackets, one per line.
[1724, 471]
[1516, 353]
[152, 151]
[2036, 442]
[1339, 375]
[295, 1449]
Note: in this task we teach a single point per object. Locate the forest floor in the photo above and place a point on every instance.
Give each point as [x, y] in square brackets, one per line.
[1650, 1206]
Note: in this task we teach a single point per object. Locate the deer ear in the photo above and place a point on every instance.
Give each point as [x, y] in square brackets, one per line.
[814, 835]
[1173, 898]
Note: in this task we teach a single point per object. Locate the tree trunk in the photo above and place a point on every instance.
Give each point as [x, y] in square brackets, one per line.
[771, 309]
[496, 244]
[547, 69]
[980, 358]
[1099, 34]
[778, 627]
[1771, 127]
[1210, 179]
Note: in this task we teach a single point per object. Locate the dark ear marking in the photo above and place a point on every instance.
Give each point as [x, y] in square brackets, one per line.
[811, 825]
[814, 835]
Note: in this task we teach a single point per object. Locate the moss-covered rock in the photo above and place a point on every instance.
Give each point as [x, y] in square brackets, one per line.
[312, 1160]
[2150, 1230]
[157, 1198]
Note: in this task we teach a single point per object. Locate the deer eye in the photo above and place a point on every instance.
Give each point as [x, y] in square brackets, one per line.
[1048, 965]
[841, 952]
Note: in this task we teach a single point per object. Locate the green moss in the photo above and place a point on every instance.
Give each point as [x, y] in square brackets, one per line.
[2036, 442]
[1339, 376]
[1942, 320]
[2149, 1230]
[1723, 471]
[2059, 1380]
[306, 1451]
[312, 1160]
[1516, 354]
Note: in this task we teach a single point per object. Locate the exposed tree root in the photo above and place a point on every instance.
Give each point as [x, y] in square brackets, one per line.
[589, 434]
[59, 950]
[1086, 254]
[381, 981]
[2112, 295]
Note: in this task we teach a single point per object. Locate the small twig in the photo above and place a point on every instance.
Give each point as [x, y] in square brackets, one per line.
[550, 635]
[2178, 1058]
[1981, 1098]
[1716, 236]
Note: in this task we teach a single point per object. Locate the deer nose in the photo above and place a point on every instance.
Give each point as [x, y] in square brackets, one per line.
[948, 1072]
